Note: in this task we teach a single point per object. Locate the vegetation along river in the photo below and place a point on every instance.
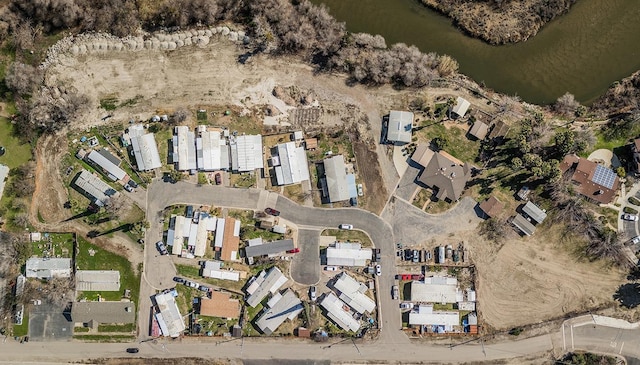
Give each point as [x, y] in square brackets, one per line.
[583, 52]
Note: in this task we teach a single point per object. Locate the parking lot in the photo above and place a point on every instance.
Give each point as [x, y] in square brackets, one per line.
[49, 323]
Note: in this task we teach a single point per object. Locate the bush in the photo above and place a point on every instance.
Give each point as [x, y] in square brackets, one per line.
[630, 210]
[633, 200]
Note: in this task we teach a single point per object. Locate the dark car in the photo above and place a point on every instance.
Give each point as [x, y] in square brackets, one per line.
[133, 350]
[189, 211]
[178, 279]
[133, 184]
[218, 179]
[203, 288]
[272, 211]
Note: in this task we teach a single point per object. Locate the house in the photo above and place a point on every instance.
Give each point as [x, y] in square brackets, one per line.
[311, 144]
[348, 254]
[106, 163]
[220, 305]
[335, 184]
[635, 148]
[91, 185]
[92, 314]
[231, 240]
[399, 127]
[297, 136]
[4, 172]
[97, 280]
[534, 213]
[499, 129]
[523, 224]
[213, 269]
[246, 153]
[290, 164]
[145, 151]
[212, 151]
[443, 172]
[594, 181]
[440, 321]
[259, 248]
[479, 130]
[461, 107]
[492, 207]
[184, 149]
[336, 312]
[435, 289]
[47, 268]
[353, 292]
[472, 323]
[167, 313]
[266, 282]
[280, 308]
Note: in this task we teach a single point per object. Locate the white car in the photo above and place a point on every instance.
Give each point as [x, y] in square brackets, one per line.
[378, 270]
[346, 226]
[360, 192]
[635, 240]
[312, 293]
[630, 217]
[330, 268]
[406, 305]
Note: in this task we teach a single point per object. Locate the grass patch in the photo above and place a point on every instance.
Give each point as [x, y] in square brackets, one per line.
[295, 193]
[23, 329]
[633, 200]
[58, 244]
[106, 260]
[609, 217]
[105, 338]
[201, 115]
[244, 180]
[109, 103]
[350, 235]
[129, 327]
[202, 178]
[185, 298]
[81, 329]
[438, 207]
[163, 137]
[337, 143]
[459, 146]
[442, 307]
[421, 198]
[251, 232]
[17, 152]
[630, 210]
[218, 326]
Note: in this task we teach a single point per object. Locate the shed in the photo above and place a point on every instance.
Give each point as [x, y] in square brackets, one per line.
[479, 130]
[461, 107]
[303, 332]
[523, 225]
[311, 143]
[492, 207]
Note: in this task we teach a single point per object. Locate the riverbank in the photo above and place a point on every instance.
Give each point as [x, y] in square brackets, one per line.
[501, 22]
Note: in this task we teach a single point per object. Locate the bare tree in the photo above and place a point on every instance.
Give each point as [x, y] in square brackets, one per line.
[179, 116]
[21, 219]
[566, 105]
[115, 206]
[23, 79]
[25, 35]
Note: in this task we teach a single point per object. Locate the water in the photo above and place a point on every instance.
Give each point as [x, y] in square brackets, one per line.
[583, 52]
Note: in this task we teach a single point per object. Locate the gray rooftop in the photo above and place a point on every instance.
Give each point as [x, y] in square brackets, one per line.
[336, 177]
[534, 212]
[399, 127]
[98, 280]
[281, 307]
[94, 186]
[47, 268]
[103, 312]
[269, 248]
[523, 225]
[145, 151]
[110, 169]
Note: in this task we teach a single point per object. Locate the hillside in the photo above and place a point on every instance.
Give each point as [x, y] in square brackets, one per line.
[501, 21]
[622, 97]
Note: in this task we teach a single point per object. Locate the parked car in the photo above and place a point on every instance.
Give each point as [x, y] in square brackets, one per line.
[376, 254]
[178, 279]
[218, 179]
[132, 183]
[203, 288]
[312, 293]
[272, 212]
[378, 270]
[630, 217]
[415, 256]
[406, 305]
[133, 350]
[295, 250]
[162, 248]
[395, 292]
[360, 192]
[189, 211]
[128, 188]
[330, 268]
[191, 284]
[635, 240]
[346, 226]
[428, 256]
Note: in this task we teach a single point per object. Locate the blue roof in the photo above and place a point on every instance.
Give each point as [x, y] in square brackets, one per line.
[351, 185]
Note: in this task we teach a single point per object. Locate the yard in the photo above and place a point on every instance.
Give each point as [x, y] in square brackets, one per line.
[193, 272]
[243, 180]
[91, 257]
[17, 152]
[421, 198]
[54, 245]
[457, 143]
[350, 235]
[336, 142]
[231, 117]
[23, 329]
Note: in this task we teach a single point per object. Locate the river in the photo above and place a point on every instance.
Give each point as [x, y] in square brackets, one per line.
[583, 52]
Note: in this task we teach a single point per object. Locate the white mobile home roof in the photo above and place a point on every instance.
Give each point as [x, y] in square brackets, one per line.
[281, 307]
[435, 289]
[201, 238]
[146, 153]
[178, 236]
[215, 153]
[213, 269]
[48, 268]
[336, 175]
[348, 254]
[219, 233]
[246, 153]
[193, 235]
[293, 164]
[98, 280]
[186, 148]
[399, 127]
[94, 186]
[170, 315]
[425, 315]
[335, 311]
[110, 169]
[269, 283]
[353, 292]
[461, 107]
[534, 212]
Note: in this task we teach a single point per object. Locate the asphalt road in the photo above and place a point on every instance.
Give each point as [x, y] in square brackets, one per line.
[598, 338]
[305, 267]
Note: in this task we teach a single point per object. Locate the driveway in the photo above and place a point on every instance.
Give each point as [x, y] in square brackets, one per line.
[407, 186]
[305, 267]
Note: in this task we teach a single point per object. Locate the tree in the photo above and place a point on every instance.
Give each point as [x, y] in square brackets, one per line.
[175, 175]
[621, 172]
[21, 219]
[566, 105]
[179, 116]
[23, 79]
[494, 229]
[440, 143]
[25, 34]
[115, 206]
[565, 142]
[516, 163]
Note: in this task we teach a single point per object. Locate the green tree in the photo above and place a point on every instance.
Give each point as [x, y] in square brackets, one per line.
[440, 143]
[565, 142]
[176, 175]
[621, 171]
[516, 163]
[532, 160]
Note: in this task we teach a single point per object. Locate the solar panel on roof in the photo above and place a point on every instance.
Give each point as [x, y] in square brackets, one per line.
[604, 176]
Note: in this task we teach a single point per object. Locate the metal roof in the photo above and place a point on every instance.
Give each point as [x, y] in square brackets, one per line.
[399, 126]
[425, 315]
[523, 225]
[336, 178]
[145, 151]
[215, 152]
[461, 107]
[348, 254]
[185, 147]
[169, 317]
[269, 248]
[98, 280]
[534, 212]
[353, 292]
[109, 168]
[37, 267]
[103, 312]
[94, 186]
[281, 307]
[266, 283]
[293, 164]
[335, 311]
[246, 153]
[434, 290]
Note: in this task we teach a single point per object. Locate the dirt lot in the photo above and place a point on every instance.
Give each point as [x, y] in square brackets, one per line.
[534, 279]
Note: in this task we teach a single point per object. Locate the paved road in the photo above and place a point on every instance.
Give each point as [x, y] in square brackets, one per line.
[589, 334]
[305, 267]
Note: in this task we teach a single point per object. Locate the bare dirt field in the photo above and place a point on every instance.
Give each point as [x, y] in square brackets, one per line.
[535, 279]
